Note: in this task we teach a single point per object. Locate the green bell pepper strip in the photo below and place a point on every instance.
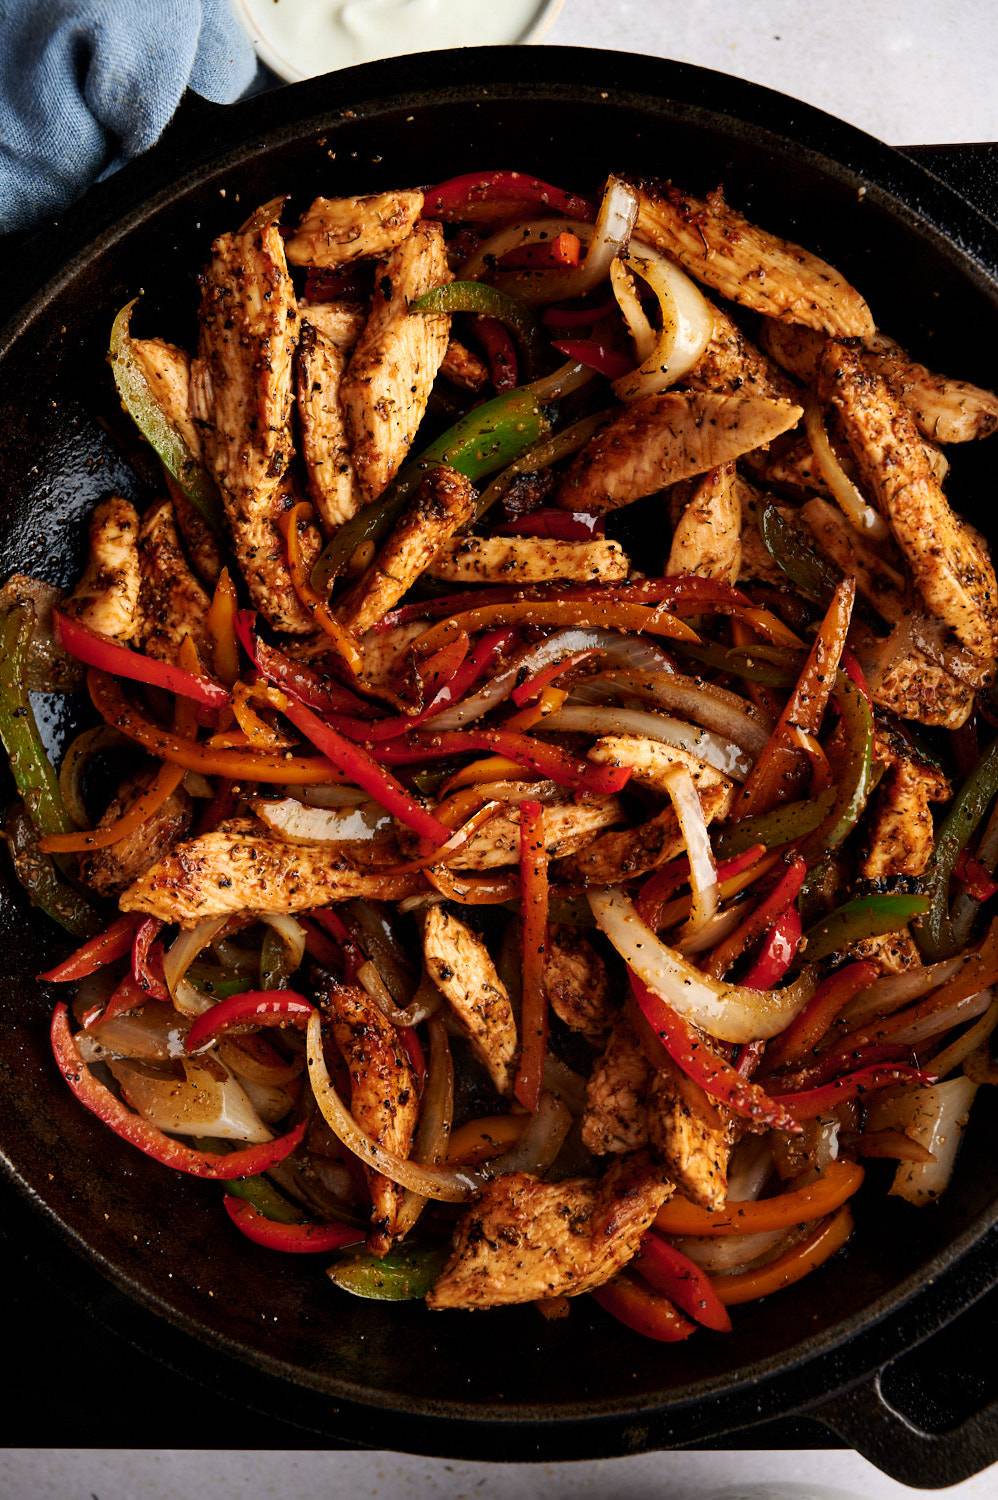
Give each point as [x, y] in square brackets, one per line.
[403, 1275]
[30, 767]
[810, 573]
[863, 917]
[484, 441]
[783, 824]
[265, 1198]
[934, 933]
[754, 663]
[488, 302]
[37, 874]
[140, 402]
[540, 456]
[856, 779]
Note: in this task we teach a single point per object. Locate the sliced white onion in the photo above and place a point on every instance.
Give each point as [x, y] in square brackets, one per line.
[196, 785]
[687, 325]
[638, 326]
[567, 1085]
[178, 958]
[329, 796]
[444, 1184]
[845, 494]
[751, 1169]
[723, 755]
[967, 1009]
[538, 1145]
[436, 1117]
[425, 1002]
[270, 1100]
[151, 1034]
[715, 708]
[936, 1118]
[295, 823]
[713, 932]
[569, 377]
[959, 1050]
[730, 1012]
[291, 934]
[692, 825]
[200, 1104]
[895, 990]
[726, 1254]
[606, 239]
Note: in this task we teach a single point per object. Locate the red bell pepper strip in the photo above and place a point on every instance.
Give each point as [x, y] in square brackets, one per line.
[759, 921]
[108, 656]
[672, 1273]
[975, 878]
[576, 316]
[439, 667]
[548, 760]
[812, 1023]
[643, 1311]
[147, 960]
[658, 887]
[778, 952]
[716, 1077]
[292, 1239]
[351, 952]
[500, 351]
[138, 1132]
[853, 670]
[536, 684]
[253, 1008]
[602, 358]
[413, 1049]
[320, 947]
[809, 1103]
[355, 763]
[558, 525]
[114, 942]
[461, 197]
[562, 249]
[533, 928]
[127, 995]
[313, 689]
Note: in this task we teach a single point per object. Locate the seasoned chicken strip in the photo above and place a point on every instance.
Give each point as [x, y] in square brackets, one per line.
[795, 348]
[876, 580]
[241, 401]
[237, 870]
[525, 1239]
[200, 542]
[336, 231]
[908, 683]
[383, 1096]
[524, 559]
[616, 1117]
[689, 1135]
[576, 983]
[168, 371]
[708, 538]
[901, 832]
[568, 827]
[731, 365]
[107, 596]
[748, 265]
[172, 603]
[443, 504]
[332, 481]
[950, 566]
[661, 439]
[947, 411]
[756, 560]
[650, 760]
[392, 370]
[463, 367]
[892, 953]
[109, 871]
[459, 964]
[635, 851]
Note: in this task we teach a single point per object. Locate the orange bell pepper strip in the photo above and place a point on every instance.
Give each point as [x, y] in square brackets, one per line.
[341, 639]
[812, 1023]
[221, 622]
[777, 774]
[793, 1265]
[549, 702]
[164, 784]
[533, 923]
[259, 734]
[489, 768]
[479, 1140]
[643, 1311]
[835, 1186]
[599, 613]
[494, 889]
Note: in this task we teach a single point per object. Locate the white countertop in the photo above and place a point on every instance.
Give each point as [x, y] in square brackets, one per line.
[910, 72]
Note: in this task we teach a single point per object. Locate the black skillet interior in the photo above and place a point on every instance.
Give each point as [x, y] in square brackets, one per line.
[570, 116]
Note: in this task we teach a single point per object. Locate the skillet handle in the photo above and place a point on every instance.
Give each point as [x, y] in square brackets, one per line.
[866, 1419]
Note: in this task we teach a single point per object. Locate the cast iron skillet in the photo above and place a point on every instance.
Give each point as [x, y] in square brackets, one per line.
[506, 1385]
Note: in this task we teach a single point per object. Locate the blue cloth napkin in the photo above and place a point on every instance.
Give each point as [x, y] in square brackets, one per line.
[86, 84]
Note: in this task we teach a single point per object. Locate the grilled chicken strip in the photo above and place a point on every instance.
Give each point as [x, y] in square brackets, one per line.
[689, 1135]
[875, 579]
[576, 982]
[901, 831]
[568, 827]
[443, 504]
[239, 869]
[109, 871]
[635, 851]
[391, 373]
[332, 480]
[525, 1239]
[616, 1118]
[336, 231]
[908, 683]
[107, 596]
[200, 542]
[459, 964]
[650, 760]
[172, 603]
[168, 371]
[462, 367]
[708, 539]
[522, 559]
[241, 401]
[731, 365]
[662, 439]
[950, 566]
[748, 265]
[383, 1096]
[756, 560]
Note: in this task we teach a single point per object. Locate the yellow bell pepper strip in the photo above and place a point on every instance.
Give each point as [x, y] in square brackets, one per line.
[809, 570]
[793, 1265]
[108, 656]
[934, 932]
[477, 772]
[489, 302]
[547, 760]
[484, 441]
[405, 1274]
[132, 1128]
[221, 622]
[863, 917]
[836, 1184]
[643, 1311]
[30, 767]
[341, 639]
[479, 1140]
[533, 930]
[140, 402]
[672, 1274]
[292, 1239]
[777, 773]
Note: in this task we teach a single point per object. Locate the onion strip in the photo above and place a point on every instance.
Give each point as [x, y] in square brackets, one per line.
[687, 326]
[861, 517]
[703, 872]
[722, 755]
